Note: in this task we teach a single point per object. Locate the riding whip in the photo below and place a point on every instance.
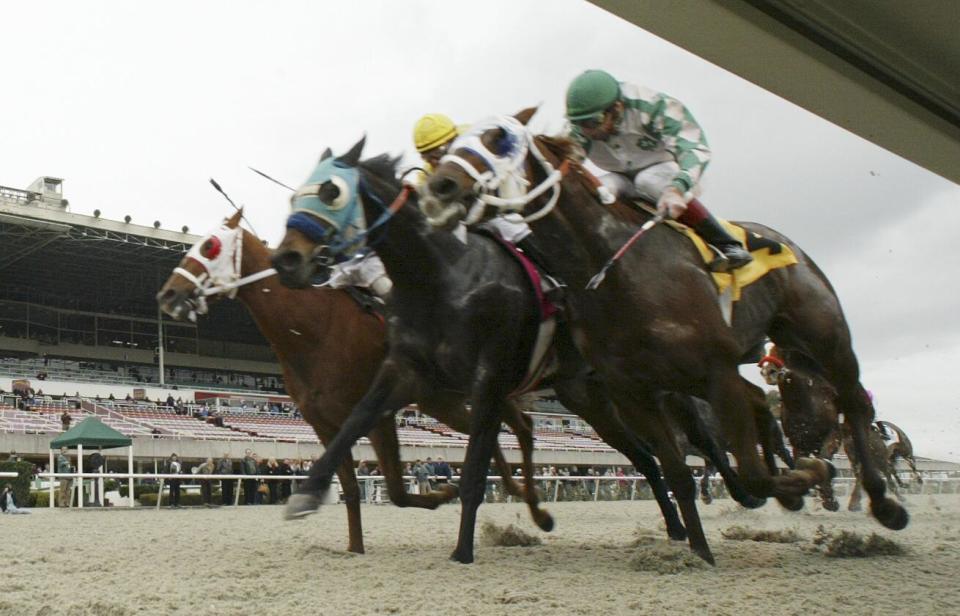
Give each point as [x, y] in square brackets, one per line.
[597, 280]
[275, 181]
[235, 206]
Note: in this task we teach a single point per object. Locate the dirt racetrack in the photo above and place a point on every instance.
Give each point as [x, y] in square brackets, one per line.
[602, 558]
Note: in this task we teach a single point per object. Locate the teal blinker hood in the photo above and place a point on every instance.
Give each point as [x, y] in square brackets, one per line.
[344, 214]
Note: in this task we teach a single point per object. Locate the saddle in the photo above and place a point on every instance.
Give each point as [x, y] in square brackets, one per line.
[767, 254]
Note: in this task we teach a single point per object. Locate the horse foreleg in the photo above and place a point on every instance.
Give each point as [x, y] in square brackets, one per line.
[484, 427]
[386, 395]
[827, 450]
[684, 409]
[524, 433]
[385, 443]
[588, 398]
[351, 490]
[351, 497]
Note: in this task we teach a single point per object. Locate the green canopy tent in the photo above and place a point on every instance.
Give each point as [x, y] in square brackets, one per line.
[91, 432]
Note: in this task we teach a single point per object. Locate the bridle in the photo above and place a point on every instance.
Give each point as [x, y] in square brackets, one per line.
[503, 184]
[221, 271]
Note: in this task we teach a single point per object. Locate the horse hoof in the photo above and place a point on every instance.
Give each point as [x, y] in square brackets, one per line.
[463, 559]
[543, 520]
[831, 505]
[752, 502]
[706, 500]
[854, 508]
[791, 503]
[891, 514]
[301, 505]
[677, 534]
[704, 553]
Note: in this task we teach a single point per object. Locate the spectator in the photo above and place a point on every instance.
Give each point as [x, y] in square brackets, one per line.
[442, 470]
[8, 501]
[285, 469]
[96, 466]
[225, 467]
[248, 466]
[273, 485]
[206, 490]
[174, 467]
[366, 485]
[422, 475]
[66, 483]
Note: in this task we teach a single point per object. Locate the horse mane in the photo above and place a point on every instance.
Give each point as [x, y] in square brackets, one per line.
[382, 167]
[563, 148]
[566, 149]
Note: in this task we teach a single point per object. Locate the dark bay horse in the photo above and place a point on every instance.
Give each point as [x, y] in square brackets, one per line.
[655, 322]
[329, 349]
[463, 318]
[809, 413]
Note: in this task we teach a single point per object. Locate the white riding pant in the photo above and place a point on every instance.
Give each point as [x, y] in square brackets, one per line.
[362, 271]
[647, 184]
[511, 227]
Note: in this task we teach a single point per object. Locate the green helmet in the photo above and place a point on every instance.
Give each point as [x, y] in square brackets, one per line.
[590, 94]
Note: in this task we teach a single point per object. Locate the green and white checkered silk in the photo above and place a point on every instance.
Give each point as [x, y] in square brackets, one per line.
[655, 128]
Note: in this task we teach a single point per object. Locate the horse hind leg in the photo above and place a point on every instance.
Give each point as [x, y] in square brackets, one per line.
[684, 490]
[858, 415]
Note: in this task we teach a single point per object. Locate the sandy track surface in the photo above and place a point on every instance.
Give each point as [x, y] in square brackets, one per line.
[602, 558]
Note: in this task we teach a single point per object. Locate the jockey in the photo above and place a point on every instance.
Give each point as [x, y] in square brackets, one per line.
[652, 148]
[432, 136]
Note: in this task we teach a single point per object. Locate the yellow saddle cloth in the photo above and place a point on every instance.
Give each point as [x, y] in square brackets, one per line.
[767, 255]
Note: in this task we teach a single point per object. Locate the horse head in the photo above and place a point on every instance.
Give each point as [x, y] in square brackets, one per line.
[486, 166]
[327, 223]
[209, 269]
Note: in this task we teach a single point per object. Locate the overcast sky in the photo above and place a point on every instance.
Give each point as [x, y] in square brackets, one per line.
[137, 105]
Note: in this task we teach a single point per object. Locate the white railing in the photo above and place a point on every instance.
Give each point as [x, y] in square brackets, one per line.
[578, 488]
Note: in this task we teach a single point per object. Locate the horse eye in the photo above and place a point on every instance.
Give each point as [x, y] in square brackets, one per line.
[329, 192]
[335, 193]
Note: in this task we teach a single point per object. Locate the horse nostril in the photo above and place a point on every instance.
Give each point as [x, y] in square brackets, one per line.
[287, 261]
[165, 297]
[443, 187]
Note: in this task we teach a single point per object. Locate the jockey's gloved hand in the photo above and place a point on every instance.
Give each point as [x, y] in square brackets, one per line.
[671, 203]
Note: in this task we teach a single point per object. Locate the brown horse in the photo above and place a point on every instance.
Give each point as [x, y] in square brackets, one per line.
[329, 349]
[901, 448]
[655, 322]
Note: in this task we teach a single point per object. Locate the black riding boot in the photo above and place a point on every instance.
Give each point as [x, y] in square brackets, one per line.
[732, 252]
[556, 287]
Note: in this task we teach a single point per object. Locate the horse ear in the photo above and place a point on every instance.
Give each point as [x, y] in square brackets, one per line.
[352, 158]
[524, 116]
[326, 154]
[234, 220]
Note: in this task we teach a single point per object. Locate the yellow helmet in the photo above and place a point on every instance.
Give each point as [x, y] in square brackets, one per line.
[433, 130]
